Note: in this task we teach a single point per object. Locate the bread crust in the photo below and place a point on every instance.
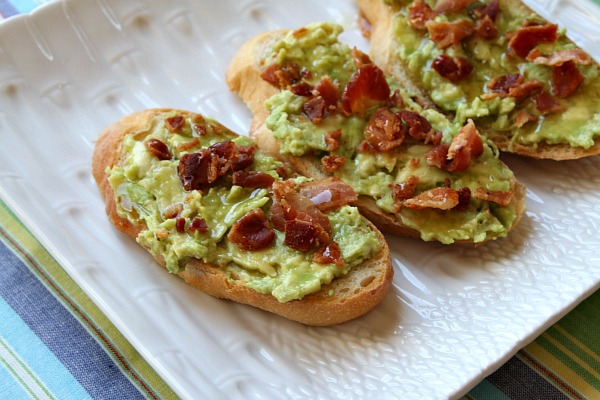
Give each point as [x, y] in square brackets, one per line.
[381, 18]
[345, 298]
[244, 77]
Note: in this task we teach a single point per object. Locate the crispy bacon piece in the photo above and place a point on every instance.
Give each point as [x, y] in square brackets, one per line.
[443, 198]
[315, 109]
[565, 79]
[328, 90]
[523, 117]
[252, 232]
[245, 157]
[360, 58]
[282, 76]
[446, 34]
[332, 139]
[188, 145]
[450, 6]
[465, 146]
[452, 68]
[404, 190]
[198, 224]
[180, 225]
[499, 197]
[301, 89]
[329, 193]
[366, 87]
[526, 38]
[490, 9]
[158, 148]
[419, 13]
[329, 254]
[486, 28]
[396, 100]
[227, 154]
[197, 170]
[385, 130]
[252, 179]
[578, 56]
[464, 199]
[332, 163]
[303, 223]
[174, 124]
[546, 103]
[512, 85]
[420, 128]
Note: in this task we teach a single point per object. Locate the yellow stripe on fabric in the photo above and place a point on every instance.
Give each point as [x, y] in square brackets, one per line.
[141, 374]
[575, 384]
[577, 351]
[588, 352]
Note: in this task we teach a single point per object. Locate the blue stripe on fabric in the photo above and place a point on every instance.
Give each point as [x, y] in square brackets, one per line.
[56, 327]
[37, 357]
[9, 388]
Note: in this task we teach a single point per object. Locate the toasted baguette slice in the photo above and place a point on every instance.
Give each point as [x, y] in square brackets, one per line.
[570, 132]
[245, 76]
[346, 297]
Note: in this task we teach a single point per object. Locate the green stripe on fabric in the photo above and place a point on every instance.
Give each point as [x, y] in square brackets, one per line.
[582, 323]
[486, 391]
[90, 316]
[22, 373]
[576, 351]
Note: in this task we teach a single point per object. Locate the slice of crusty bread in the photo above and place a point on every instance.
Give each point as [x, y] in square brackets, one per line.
[345, 298]
[243, 76]
[382, 50]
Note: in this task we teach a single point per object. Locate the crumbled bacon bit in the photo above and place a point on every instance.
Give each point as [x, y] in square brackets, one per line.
[452, 68]
[450, 6]
[329, 254]
[526, 38]
[227, 154]
[174, 124]
[419, 13]
[523, 117]
[366, 87]
[440, 198]
[332, 163]
[281, 171]
[180, 225]
[252, 179]
[300, 32]
[420, 128]
[198, 224]
[196, 170]
[328, 90]
[465, 146]
[172, 211]
[158, 148]
[332, 139]
[512, 85]
[315, 109]
[282, 76]
[566, 79]
[446, 34]
[188, 145]
[301, 89]
[404, 190]
[162, 233]
[415, 161]
[329, 193]
[252, 232]
[546, 103]
[486, 28]
[396, 100]
[385, 130]
[200, 129]
[499, 197]
[360, 58]
[464, 199]
[578, 56]
[300, 235]
[490, 10]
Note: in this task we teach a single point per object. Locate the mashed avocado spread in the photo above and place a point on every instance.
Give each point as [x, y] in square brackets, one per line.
[577, 123]
[317, 51]
[149, 191]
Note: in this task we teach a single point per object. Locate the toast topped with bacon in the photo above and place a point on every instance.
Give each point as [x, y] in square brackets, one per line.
[524, 83]
[233, 222]
[330, 112]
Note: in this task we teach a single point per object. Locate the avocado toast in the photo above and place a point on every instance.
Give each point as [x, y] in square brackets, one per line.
[329, 111]
[524, 83]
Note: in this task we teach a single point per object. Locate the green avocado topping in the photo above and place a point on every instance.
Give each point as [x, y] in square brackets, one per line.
[149, 192]
[318, 53]
[575, 122]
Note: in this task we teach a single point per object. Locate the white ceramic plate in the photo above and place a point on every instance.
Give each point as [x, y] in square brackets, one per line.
[454, 315]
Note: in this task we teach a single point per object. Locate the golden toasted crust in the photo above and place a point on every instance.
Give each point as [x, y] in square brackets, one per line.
[345, 298]
[381, 19]
[244, 77]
